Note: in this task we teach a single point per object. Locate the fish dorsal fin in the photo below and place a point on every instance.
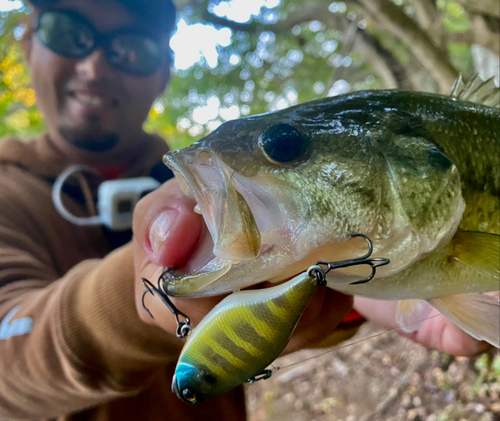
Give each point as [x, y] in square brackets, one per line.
[477, 91]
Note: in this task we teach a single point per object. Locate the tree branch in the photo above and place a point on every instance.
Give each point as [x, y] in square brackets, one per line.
[349, 37]
[312, 12]
[386, 15]
[478, 33]
[218, 21]
[482, 7]
[430, 19]
[390, 71]
[426, 12]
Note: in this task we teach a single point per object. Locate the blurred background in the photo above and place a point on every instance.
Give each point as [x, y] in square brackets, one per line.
[242, 57]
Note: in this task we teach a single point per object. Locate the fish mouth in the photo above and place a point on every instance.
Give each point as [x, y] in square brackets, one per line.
[204, 176]
[235, 210]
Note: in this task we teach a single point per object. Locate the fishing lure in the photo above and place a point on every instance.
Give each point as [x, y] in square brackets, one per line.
[246, 331]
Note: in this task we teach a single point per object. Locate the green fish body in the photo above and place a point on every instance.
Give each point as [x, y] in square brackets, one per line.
[239, 338]
[418, 173]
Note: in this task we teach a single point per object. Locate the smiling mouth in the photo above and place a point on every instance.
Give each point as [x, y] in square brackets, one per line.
[93, 100]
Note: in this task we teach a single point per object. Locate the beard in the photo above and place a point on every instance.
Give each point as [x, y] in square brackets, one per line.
[91, 138]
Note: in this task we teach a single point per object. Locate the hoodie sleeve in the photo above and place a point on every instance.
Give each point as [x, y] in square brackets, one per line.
[66, 342]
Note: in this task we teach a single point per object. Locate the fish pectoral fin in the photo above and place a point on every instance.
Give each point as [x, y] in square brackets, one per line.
[479, 250]
[476, 314]
[410, 314]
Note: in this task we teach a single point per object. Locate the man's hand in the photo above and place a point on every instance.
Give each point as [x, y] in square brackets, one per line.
[436, 333]
[166, 231]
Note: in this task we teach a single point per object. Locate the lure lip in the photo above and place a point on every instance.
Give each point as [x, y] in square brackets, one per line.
[175, 388]
[181, 394]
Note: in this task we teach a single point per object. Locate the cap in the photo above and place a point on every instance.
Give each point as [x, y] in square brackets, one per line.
[157, 14]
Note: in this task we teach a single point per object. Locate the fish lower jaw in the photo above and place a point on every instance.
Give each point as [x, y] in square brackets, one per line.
[200, 282]
[274, 264]
[178, 284]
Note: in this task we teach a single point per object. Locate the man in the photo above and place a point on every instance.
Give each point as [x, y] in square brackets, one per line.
[75, 342]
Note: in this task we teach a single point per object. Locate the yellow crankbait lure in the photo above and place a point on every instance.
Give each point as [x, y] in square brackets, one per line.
[246, 331]
[240, 337]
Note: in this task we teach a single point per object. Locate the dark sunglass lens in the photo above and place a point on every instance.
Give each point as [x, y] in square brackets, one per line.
[135, 54]
[65, 35]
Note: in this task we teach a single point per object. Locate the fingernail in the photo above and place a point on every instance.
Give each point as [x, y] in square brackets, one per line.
[161, 228]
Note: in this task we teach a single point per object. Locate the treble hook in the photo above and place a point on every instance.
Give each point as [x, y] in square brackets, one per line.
[317, 271]
[183, 326]
[373, 262]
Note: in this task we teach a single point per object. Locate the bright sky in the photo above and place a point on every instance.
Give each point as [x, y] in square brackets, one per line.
[191, 42]
[6, 5]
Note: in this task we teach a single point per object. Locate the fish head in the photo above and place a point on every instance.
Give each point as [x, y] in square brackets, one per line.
[281, 191]
[239, 176]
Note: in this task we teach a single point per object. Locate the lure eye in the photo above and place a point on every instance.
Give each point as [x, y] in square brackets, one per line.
[283, 143]
[188, 395]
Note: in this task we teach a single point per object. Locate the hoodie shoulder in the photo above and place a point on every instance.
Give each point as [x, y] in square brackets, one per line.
[37, 155]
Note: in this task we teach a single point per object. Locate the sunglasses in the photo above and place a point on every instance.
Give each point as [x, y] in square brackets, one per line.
[70, 35]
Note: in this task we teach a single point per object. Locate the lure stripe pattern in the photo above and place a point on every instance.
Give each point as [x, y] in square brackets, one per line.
[281, 301]
[238, 351]
[242, 336]
[265, 314]
[250, 333]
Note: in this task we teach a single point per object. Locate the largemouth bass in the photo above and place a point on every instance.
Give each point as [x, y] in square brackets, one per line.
[418, 173]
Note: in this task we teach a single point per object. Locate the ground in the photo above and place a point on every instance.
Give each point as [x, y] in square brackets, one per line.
[386, 378]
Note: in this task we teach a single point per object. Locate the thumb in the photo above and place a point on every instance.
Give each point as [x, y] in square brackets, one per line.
[166, 229]
[165, 225]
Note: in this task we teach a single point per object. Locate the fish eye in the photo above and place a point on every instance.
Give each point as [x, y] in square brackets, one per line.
[283, 143]
[188, 395]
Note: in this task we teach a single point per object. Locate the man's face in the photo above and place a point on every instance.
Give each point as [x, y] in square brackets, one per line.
[89, 103]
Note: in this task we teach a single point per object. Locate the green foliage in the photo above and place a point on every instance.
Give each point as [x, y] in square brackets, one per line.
[443, 417]
[488, 370]
[259, 71]
[266, 66]
[461, 57]
[495, 373]
[18, 112]
[455, 19]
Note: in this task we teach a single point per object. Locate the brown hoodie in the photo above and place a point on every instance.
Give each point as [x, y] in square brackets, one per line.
[71, 341]
[72, 346]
